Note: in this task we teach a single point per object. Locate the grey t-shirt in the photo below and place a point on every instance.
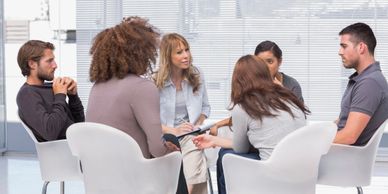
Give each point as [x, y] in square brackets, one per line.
[366, 93]
[263, 135]
[293, 85]
[181, 114]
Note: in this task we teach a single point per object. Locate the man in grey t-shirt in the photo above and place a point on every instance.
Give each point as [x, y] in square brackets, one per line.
[364, 104]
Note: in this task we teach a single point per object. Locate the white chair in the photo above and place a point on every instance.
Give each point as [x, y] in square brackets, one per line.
[350, 166]
[291, 169]
[56, 161]
[112, 162]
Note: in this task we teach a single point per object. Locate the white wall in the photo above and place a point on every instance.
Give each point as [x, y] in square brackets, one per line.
[62, 17]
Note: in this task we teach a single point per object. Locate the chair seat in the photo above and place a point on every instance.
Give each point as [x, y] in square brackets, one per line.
[350, 166]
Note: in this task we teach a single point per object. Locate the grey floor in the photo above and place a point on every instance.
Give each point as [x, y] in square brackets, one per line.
[20, 175]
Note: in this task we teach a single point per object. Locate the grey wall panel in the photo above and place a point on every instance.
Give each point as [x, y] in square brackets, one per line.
[18, 139]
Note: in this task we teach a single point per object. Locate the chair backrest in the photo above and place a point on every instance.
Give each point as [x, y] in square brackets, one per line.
[55, 159]
[29, 132]
[291, 168]
[350, 166]
[112, 162]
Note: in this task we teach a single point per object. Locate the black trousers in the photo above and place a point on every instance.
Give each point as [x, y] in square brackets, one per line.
[182, 186]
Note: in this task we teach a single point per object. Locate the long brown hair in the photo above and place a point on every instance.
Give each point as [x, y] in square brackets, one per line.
[168, 44]
[254, 90]
[127, 48]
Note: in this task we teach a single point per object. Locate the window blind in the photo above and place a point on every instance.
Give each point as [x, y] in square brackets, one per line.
[2, 82]
[219, 32]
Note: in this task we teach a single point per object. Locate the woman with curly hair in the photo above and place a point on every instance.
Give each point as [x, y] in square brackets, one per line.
[183, 105]
[263, 113]
[120, 96]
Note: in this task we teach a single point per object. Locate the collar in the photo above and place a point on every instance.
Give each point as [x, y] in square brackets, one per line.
[44, 85]
[370, 69]
[168, 82]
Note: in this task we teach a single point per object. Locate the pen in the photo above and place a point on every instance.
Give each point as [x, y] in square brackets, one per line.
[181, 120]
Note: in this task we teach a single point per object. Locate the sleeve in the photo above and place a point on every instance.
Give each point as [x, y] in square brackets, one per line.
[76, 108]
[205, 101]
[147, 113]
[293, 85]
[47, 124]
[297, 90]
[366, 97]
[240, 126]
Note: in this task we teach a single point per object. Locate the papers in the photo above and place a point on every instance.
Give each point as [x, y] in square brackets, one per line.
[201, 129]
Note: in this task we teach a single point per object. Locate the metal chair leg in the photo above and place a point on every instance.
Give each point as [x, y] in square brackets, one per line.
[62, 187]
[44, 188]
[210, 181]
[359, 190]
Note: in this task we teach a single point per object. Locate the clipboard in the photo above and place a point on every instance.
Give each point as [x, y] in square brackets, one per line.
[201, 129]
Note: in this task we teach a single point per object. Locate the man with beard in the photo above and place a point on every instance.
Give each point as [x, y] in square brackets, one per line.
[364, 104]
[42, 105]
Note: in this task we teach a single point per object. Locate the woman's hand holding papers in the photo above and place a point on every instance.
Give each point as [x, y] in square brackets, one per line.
[184, 127]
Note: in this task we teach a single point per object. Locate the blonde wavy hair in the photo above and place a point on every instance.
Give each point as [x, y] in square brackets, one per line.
[168, 44]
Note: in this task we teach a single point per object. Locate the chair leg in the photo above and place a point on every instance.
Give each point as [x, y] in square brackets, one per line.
[359, 190]
[44, 188]
[210, 182]
[62, 187]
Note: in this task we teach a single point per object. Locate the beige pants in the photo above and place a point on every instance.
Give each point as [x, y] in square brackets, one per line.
[194, 165]
[200, 188]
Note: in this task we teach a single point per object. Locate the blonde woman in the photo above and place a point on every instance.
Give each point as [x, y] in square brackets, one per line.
[183, 105]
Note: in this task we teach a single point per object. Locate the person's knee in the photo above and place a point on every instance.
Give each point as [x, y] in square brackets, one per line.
[221, 154]
[223, 151]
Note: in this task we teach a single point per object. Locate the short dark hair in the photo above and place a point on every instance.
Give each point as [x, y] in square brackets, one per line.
[32, 50]
[361, 32]
[269, 46]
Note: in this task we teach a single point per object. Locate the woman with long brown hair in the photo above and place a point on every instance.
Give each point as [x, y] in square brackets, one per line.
[263, 112]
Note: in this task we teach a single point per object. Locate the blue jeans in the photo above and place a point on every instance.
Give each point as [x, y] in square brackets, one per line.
[220, 173]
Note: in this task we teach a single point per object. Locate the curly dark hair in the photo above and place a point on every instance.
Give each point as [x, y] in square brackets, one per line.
[127, 48]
